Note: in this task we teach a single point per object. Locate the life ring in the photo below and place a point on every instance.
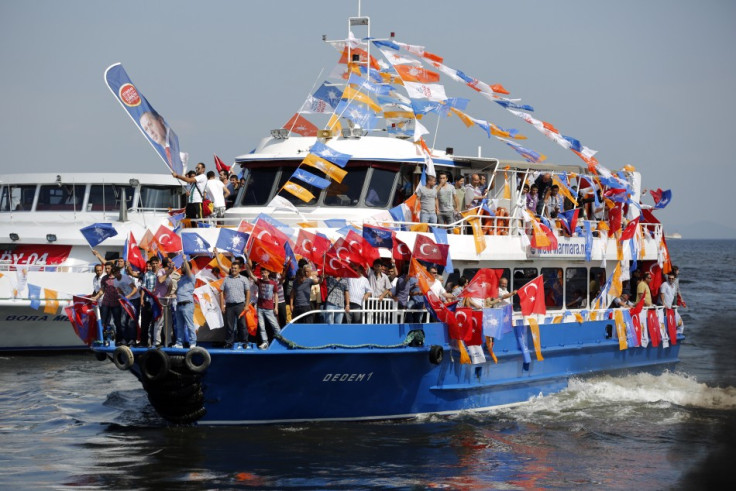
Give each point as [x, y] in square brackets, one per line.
[436, 353]
[197, 359]
[123, 358]
[154, 365]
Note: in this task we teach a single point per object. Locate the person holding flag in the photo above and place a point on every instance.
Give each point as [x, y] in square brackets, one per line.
[197, 187]
[186, 331]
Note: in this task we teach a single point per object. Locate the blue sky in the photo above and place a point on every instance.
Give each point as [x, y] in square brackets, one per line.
[649, 84]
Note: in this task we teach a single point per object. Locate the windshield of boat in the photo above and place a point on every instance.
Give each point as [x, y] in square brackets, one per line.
[106, 197]
[17, 198]
[365, 184]
[61, 197]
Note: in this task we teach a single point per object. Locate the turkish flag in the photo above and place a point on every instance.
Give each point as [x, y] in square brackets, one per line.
[167, 240]
[671, 321]
[312, 246]
[630, 229]
[400, 251]
[428, 250]
[341, 250]
[464, 318]
[655, 335]
[358, 245]
[531, 297]
[133, 254]
[614, 218]
[483, 285]
[335, 267]
[220, 165]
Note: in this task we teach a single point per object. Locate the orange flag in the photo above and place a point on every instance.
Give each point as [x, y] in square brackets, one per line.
[331, 170]
[52, 304]
[300, 192]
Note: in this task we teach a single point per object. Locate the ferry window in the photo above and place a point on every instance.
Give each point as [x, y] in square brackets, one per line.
[522, 276]
[576, 288]
[597, 280]
[17, 198]
[106, 197]
[347, 192]
[160, 197]
[67, 197]
[286, 174]
[553, 287]
[259, 185]
[379, 188]
[405, 188]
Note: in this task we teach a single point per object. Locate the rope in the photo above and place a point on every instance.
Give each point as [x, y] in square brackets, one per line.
[413, 338]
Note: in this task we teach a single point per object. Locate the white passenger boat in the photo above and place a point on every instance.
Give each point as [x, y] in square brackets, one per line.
[41, 244]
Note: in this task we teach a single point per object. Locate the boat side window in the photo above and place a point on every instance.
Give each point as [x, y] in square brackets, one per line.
[286, 174]
[379, 188]
[576, 288]
[347, 192]
[597, 280]
[553, 287]
[64, 197]
[405, 187]
[160, 197]
[106, 197]
[522, 276]
[17, 198]
[259, 186]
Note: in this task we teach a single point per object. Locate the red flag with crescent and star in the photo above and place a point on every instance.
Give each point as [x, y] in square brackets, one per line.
[426, 249]
[342, 251]
[483, 285]
[400, 251]
[220, 165]
[311, 246]
[167, 239]
[338, 268]
[531, 297]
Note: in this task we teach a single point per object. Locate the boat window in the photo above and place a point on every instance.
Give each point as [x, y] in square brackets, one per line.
[405, 188]
[553, 288]
[160, 197]
[347, 192]
[259, 185]
[576, 288]
[597, 281]
[64, 197]
[522, 276]
[285, 176]
[106, 197]
[17, 198]
[379, 189]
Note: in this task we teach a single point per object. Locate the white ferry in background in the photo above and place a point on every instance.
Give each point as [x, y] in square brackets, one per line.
[40, 243]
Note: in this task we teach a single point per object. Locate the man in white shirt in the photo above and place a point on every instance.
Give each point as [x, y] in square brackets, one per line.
[380, 284]
[668, 292]
[360, 290]
[198, 185]
[217, 192]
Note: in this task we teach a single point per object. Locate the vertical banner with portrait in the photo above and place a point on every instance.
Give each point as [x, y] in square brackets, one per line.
[151, 123]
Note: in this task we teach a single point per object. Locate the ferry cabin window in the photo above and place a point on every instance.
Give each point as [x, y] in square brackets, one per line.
[553, 287]
[379, 188]
[522, 276]
[347, 192]
[160, 197]
[17, 198]
[576, 288]
[65, 197]
[106, 197]
[259, 186]
[597, 280]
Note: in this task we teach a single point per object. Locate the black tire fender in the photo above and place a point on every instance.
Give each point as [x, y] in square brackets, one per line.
[197, 359]
[123, 358]
[154, 365]
[436, 353]
[100, 355]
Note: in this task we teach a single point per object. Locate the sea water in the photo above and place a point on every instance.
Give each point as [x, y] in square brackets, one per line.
[71, 421]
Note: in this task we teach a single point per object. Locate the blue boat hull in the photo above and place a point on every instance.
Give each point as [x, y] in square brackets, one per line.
[305, 381]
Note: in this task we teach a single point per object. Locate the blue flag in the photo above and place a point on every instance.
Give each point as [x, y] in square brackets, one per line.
[512, 105]
[523, 346]
[193, 243]
[358, 113]
[310, 178]
[378, 237]
[152, 124]
[497, 322]
[664, 200]
[368, 86]
[327, 153]
[97, 232]
[588, 240]
[34, 293]
[293, 265]
[329, 93]
[231, 241]
[386, 44]
[336, 222]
